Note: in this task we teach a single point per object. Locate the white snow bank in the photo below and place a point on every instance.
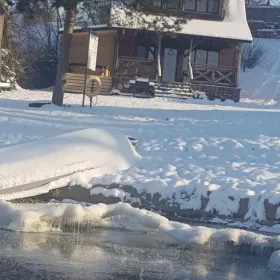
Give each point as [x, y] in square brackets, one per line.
[4, 85]
[108, 192]
[98, 150]
[274, 262]
[274, 229]
[263, 82]
[41, 218]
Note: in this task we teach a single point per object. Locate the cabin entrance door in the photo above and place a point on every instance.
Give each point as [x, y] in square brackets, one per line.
[169, 65]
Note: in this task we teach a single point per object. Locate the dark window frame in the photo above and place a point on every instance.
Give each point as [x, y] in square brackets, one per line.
[149, 49]
[207, 7]
[194, 53]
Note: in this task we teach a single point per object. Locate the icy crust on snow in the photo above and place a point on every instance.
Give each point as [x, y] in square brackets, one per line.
[274, 262]
[99, 150]
[41, 218]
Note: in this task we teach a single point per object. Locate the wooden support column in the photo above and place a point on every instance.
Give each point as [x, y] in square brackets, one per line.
[238, 63]
[116, 53]
[159, 64]
[190, 76]
[237, 48]
[180, 62]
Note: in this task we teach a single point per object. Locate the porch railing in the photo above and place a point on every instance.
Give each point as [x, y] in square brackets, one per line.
[131, 66]
[224, 76]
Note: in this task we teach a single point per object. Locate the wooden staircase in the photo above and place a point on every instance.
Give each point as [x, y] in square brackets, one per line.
[174, 89]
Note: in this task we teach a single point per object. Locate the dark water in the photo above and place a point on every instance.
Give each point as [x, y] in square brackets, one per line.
[117, 255]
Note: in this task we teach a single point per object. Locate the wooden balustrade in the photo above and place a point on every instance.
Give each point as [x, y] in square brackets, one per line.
[132, 66]
[215, 75]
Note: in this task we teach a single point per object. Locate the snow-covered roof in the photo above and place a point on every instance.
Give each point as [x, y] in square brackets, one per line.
[233, 26]
[263, 7]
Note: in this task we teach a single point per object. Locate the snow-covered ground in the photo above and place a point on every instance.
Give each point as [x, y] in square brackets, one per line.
[190, 148]
[274, 262]
[263, 82]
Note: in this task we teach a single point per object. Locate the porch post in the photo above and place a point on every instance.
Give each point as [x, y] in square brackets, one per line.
[116, 53]
[238, 62]
[159, 57]
[190, 76]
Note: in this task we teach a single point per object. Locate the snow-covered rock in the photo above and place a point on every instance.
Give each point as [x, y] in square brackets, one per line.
[274, 262]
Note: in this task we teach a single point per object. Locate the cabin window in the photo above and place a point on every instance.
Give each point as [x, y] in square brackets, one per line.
[145, 52]
[203, 6]
[190, 5]
[173, 5]
[202, 58]
[157, 4]
[205, 58]
[141, 52]
[213, 58]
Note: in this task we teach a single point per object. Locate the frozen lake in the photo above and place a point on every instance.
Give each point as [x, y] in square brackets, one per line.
[105, 254]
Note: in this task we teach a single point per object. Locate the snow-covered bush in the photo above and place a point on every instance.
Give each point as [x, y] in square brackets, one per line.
[9, 68]
[274, 262]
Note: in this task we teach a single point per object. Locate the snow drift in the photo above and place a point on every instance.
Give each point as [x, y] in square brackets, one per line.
[100, 150]
[274, 262]
[41, 218]
[263, 82]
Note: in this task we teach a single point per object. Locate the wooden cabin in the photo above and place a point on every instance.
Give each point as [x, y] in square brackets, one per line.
[203, 51]
[264, 20]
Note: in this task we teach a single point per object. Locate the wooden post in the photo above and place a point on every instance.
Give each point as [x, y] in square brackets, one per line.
[159, 56]
[2, 14]
[180, 62]
[86, 72]
[116, 54]
[190, 77]
[238, 63]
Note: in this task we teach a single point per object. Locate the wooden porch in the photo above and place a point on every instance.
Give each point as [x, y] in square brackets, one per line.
[200, 63]
[177, 58]
[211, 75]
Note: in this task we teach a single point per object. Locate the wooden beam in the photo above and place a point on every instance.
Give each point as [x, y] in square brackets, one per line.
[2, 15]
[224, 77]
[190, 74]
[116, 54]
[193, 48]
[159, 57]
[238, 62]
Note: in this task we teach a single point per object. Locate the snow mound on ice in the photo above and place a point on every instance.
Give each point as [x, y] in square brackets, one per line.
[104, 151]
[41, 218]
[274, 262]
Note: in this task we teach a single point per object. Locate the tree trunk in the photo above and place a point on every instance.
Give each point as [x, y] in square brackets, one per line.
[64, 56]
[2, 14]
[7, 32]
